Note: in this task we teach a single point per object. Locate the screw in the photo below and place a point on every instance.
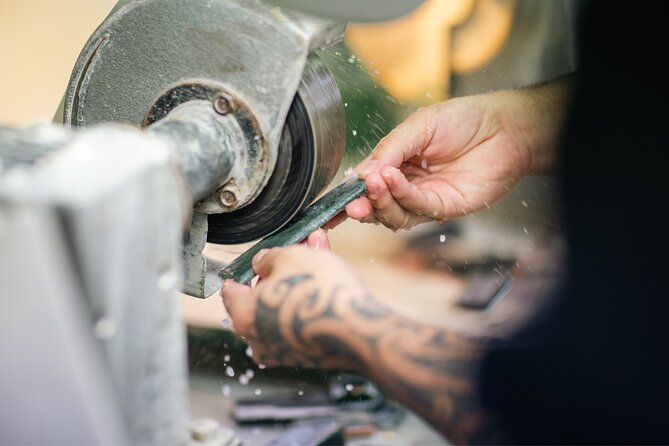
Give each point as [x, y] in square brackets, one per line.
[227, 198]
[223, 104]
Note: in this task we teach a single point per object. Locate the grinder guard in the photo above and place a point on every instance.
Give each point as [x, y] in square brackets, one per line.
[284, 132]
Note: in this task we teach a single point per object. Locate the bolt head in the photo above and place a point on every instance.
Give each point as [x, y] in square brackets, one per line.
[227, 198]
[223, 104]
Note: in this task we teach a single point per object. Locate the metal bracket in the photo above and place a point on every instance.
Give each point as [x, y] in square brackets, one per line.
[201, 273]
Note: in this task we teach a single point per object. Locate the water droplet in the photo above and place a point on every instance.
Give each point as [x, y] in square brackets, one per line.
[261, 366]
[257, 392]
[442, 238]
[226, 390]
[423, 163]
[226, 323]
[300, 392]
[524, 203]
[226, 358]
[243, 380]
[230, 371]
[250, 373]
[249, 352]
[354, 132]
[349, 387]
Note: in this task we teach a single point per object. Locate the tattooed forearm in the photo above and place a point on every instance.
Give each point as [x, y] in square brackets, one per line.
[430, 370]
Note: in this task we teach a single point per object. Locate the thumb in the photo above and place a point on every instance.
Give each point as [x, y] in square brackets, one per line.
[239, 302]
[263, 262]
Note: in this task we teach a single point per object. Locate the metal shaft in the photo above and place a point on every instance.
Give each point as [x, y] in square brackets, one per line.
[205, 143]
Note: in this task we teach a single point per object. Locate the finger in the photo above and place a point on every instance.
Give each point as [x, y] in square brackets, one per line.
[232, 291]
[265, 260]
[335, 221]
[240, 305]
[407, 140]
[368, 166]
[257, 258]
[386, 209]
[360, 209]
[412, 198]
[318, 240]
[413, 171]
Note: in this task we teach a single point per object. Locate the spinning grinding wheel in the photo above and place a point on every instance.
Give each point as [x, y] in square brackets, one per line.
[310, 151]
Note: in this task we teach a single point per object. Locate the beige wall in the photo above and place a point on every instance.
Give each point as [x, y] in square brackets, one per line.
[39, 43]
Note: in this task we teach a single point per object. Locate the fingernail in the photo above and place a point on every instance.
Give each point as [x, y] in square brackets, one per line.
[319, 239]
[258, 257]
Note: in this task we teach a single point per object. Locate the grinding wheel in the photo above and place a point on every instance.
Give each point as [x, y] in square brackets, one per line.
[310, 151]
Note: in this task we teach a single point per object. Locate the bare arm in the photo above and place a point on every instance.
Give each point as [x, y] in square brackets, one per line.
[457, 157]
[534, 116]
[320, 315]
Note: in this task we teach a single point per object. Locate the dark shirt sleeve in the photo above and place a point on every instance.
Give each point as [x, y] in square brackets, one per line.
[594, 369]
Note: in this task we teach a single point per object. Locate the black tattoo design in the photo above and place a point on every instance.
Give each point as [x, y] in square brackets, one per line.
[432, 371]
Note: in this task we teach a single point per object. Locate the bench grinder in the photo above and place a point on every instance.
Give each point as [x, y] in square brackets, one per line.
[242, 126]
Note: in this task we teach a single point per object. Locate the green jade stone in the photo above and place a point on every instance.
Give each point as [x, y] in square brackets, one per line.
[305, 223]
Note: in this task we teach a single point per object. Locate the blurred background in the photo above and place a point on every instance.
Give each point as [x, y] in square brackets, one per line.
[443, 49]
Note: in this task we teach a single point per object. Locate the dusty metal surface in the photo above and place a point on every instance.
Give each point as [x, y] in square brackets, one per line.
[210, 148]
[200, 273]
[353, 10]
[146, 47]
[206, 113]
[55, 386]
[118, 195]
[35, 142]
